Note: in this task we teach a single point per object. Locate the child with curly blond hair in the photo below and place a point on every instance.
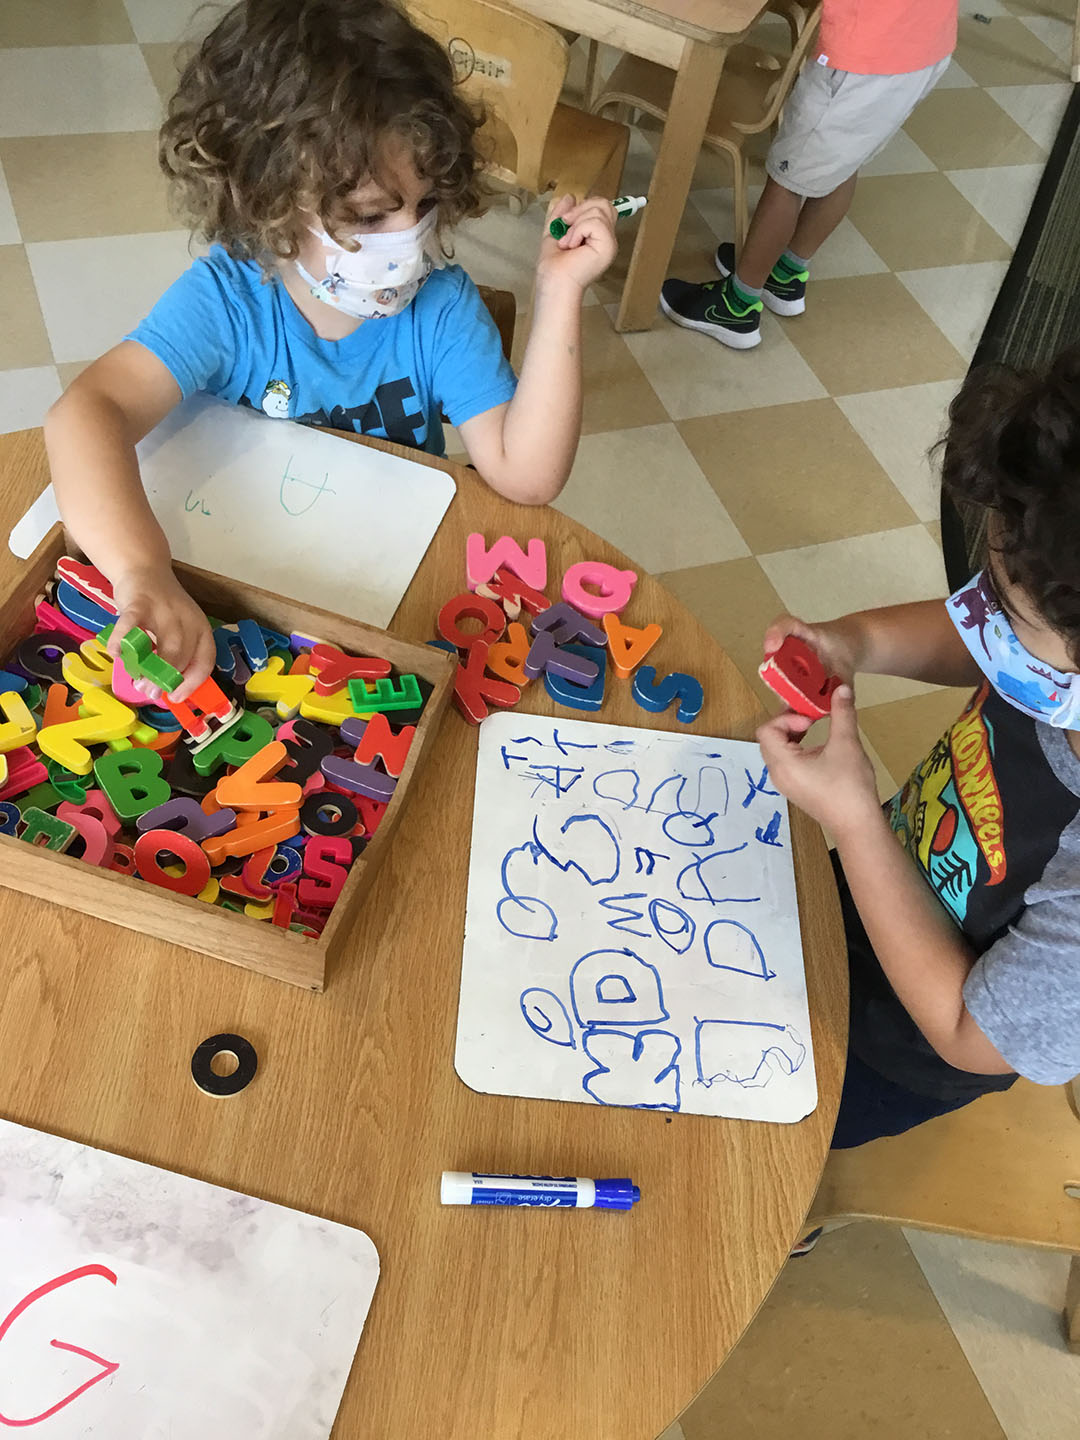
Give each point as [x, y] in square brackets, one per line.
[321, 149]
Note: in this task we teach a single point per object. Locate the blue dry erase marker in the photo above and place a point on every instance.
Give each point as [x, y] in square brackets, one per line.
[568, 1191]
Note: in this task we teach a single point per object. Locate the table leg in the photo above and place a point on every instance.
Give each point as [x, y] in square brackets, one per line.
[680, 144]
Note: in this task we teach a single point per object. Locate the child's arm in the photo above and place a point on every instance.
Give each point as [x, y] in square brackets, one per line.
[91, 433]
[925, 957]
[525, 449]
[917, 641]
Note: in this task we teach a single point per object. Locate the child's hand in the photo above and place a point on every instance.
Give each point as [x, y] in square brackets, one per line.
[587, 248]
[829, 643]
[834, 783]
[155, 601]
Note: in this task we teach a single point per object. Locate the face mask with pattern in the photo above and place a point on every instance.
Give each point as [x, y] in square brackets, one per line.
[1027, 683]
[381, 277]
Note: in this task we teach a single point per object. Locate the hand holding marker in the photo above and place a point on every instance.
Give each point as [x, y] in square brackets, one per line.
[624, 206]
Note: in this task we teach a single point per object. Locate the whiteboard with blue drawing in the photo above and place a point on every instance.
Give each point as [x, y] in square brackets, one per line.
[632, 931]
[283, 506]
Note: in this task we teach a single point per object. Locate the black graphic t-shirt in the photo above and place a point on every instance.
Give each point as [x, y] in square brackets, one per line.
[991, 817]
[223, 329]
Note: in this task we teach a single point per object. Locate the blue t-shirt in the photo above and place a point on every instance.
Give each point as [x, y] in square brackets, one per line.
[222, 328]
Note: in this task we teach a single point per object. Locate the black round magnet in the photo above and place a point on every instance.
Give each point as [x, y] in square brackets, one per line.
[247, 1062]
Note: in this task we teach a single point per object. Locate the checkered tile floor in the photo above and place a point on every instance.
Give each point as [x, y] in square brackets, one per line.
[793, 476]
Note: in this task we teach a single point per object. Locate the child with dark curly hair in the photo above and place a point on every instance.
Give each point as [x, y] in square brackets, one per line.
[961, 897]
[322, 150]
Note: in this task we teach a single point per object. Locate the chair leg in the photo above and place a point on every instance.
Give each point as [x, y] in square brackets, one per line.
[1072, 1307]
[590, 72]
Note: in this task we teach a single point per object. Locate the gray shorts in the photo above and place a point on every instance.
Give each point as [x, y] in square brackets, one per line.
[835, 121]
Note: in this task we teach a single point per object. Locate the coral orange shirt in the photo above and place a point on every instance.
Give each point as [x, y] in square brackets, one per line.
[886, 37]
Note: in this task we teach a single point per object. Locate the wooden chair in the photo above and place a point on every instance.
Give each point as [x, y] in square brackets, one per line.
[1006, 1167]
[753, 87]
[502, 307]
[514, 66]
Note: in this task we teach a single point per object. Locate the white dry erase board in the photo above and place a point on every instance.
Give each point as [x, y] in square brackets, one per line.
[136, 1304]
[632, 933]
[282, 506]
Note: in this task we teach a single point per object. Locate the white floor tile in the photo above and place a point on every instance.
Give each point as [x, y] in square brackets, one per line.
[76, 90]
[696, 375]
[167, 20]
[644, 491]
[846, 252]
[889, 567]
[898, 427]
[93, 291]
[1002, 194]
[901, 156]
[1035, 108]
[958, 298]
[9, 226]
[1055, 34]
[1004, 1305]
[25, 395]
[955, 78]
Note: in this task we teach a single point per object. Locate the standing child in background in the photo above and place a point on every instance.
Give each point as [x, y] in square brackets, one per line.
[876, 60]
[322, 149]
[964, 938]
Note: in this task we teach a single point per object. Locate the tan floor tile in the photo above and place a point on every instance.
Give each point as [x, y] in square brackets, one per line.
[820, 582]
[795, 475]
[164, 60]
[70, 369]
[735, 601]
[903, 731]
[850, 1343]
[1006, 53]
[914, 221]
[64, 22]
[67, 187]
[868, 333]
[967, 129]
[934, 527]
[617, 394]
[23, 339]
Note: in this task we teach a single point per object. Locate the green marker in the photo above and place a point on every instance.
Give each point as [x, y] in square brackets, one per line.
[624, 206]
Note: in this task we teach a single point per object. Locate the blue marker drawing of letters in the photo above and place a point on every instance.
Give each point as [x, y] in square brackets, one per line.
[748, 1053]
[587, 978]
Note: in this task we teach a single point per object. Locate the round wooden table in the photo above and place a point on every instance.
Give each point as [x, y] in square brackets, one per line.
[543, 1326]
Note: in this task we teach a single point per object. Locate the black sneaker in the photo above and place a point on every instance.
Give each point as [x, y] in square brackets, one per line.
[715, 309]
[784, 292]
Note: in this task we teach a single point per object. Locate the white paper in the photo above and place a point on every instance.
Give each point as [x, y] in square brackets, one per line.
[282, 506]
[632, 932]
[166, 1308]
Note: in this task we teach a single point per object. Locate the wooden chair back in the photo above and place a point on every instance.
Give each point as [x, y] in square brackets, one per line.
[510, 64]
[1006, 1167]
[780, 88]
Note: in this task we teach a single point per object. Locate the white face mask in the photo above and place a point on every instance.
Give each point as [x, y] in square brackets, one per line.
[381, 277]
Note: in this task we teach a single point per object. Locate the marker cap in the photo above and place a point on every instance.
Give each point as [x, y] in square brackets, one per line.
[616, 1195]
